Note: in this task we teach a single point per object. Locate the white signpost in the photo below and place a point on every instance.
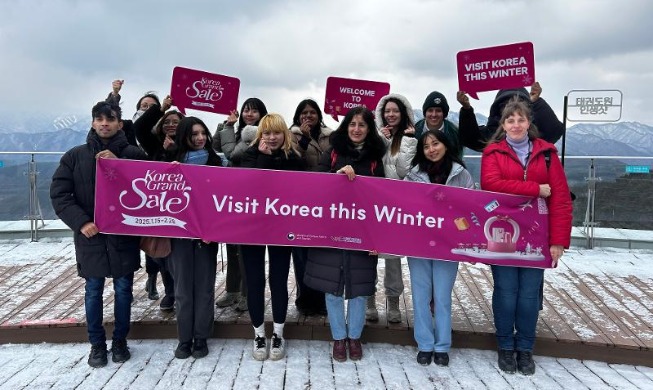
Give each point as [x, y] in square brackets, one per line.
[591, 106]
[594, 105]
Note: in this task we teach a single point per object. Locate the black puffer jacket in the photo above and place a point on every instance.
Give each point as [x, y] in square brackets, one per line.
[475, 137]
[253, 158]
[73, 197]
[150, 142]
[339, 271]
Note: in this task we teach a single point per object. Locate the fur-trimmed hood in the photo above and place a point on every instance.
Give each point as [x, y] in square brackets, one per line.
[248, 133]
[378, 114]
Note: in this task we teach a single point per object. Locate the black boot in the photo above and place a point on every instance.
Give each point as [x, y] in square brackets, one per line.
[525, 363]
[150, 287]
[507, 361]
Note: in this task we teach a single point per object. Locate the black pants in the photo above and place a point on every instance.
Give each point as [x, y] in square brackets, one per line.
[154, 265]
[193, 267]
[254, 262]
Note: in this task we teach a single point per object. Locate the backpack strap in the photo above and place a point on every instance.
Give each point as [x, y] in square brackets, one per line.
[547, 158]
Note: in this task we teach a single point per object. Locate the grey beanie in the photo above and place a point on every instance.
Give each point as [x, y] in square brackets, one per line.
[436, 99]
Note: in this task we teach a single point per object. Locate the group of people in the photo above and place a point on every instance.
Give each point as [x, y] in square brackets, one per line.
[517, 159]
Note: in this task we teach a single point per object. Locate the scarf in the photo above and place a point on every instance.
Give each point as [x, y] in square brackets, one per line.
[436, 175]
[197, 157]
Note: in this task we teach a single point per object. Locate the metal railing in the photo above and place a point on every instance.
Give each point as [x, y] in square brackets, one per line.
[585, 180]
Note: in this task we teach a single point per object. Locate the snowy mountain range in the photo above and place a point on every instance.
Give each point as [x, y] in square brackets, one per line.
[60, 133]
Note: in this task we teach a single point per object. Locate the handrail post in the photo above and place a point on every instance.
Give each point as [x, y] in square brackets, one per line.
[589, 223]
[35, 213]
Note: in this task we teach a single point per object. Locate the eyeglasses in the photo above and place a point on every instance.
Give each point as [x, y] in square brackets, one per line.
[170, 122]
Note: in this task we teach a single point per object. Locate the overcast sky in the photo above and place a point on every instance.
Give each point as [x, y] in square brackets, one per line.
[60, 56]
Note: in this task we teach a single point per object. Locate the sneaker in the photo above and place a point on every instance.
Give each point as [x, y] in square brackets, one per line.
[242, 304]
[525, 363]
[260, 350]
[424, 358]
[355, 349]
[167, 303]
[441, 359]
[278, 347]
[150, 287]
[120, 351]
[371, 314]
[340, 350]
[183, 350]
[98, 356]
[228, 299]
[507, 361]
[200, 349]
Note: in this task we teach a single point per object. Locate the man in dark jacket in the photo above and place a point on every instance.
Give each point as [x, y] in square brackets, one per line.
[475, 137]
[98, 255]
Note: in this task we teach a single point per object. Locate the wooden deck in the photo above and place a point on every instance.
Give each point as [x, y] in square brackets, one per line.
[589, 313]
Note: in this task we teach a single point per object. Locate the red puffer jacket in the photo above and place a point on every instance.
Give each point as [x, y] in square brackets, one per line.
[501, 171]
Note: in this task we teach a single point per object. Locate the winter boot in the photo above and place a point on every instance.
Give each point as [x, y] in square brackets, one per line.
[150, 287]
[393, 314]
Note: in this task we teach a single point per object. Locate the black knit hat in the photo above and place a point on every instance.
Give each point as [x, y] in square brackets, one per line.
[436, 99]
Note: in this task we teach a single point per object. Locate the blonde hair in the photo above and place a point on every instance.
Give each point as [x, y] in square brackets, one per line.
[521, 108]
[275, 123]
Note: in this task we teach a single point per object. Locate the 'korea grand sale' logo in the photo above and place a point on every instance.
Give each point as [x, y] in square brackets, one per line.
[156, 193]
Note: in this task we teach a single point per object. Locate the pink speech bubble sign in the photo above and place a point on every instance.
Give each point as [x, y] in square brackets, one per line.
[344, 94]
[498, 67]
[203, 91]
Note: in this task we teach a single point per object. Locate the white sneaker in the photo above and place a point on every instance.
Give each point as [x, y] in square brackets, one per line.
[260, 350]
[278, 347]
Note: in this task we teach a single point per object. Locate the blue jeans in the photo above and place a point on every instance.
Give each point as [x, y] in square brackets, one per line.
[352, 326]
[122, 305]
[516, 304]
[432, 280]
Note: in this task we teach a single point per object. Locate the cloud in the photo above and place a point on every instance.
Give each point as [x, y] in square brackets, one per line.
[62, 55]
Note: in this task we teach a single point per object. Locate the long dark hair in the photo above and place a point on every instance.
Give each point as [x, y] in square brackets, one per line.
[184, 134]
[300, 108]
[251, 103]
[374, 145]
[158, 128]
[450, 156]
[404, 123]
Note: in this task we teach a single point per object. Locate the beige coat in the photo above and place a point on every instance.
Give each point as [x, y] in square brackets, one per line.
[315, 148]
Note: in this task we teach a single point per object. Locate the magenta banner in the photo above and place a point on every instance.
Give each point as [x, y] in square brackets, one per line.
[344, 94]
[498, 67]
[256, 206]
[204, 91]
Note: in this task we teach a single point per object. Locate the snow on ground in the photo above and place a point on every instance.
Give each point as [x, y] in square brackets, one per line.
[307, 365]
